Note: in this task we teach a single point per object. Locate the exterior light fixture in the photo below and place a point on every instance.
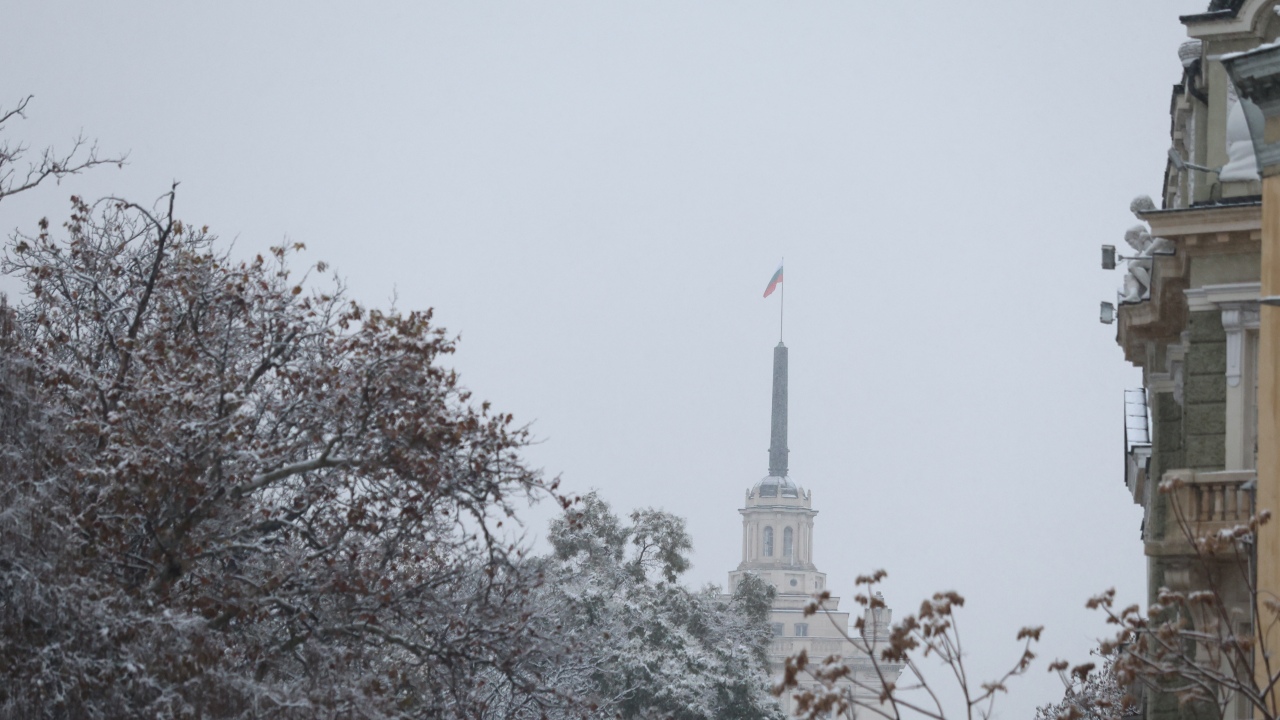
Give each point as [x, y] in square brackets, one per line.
[1107, 313]
[1180, 164]
[1108, 257]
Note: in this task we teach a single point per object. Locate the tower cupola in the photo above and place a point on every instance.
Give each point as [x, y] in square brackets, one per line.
[777, 520]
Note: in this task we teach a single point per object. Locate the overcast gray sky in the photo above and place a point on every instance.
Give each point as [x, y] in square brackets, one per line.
[594, 195]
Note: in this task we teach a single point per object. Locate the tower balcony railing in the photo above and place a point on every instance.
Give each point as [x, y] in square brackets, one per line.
[1210, 502]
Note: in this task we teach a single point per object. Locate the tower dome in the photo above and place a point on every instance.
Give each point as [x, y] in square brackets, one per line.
[776, 487]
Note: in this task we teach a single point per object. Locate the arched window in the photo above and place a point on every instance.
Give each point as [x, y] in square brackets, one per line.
[768, 542]
[786, 543]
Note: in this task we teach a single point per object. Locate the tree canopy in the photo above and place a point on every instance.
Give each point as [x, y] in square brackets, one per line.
[638, 644]
[233, 492]
[229, 490]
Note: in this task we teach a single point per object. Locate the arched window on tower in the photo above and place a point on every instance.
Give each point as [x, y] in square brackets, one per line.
[787, 545]
[768, 542]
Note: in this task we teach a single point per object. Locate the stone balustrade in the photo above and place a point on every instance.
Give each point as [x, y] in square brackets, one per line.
[1213, 501]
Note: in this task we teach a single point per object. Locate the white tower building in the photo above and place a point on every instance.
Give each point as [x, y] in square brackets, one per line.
[777, 546]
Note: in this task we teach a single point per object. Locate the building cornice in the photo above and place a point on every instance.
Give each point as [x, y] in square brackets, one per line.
[1212, 297]
[1205, 220]
[780, 565]
[786, 509]
[1230, 18]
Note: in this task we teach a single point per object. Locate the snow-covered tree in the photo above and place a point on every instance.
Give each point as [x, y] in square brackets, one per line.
[1092, 693]
[226, 494]
[637, 644]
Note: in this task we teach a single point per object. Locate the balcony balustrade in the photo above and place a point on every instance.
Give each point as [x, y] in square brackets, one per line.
[1213, 501]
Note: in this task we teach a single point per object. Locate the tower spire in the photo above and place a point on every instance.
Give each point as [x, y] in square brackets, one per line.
[778, 426]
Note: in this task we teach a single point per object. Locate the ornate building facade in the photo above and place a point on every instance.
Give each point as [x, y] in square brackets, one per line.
[1188, 317]
[778, 546]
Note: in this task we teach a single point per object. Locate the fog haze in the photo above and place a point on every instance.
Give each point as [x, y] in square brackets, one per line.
[594, 195]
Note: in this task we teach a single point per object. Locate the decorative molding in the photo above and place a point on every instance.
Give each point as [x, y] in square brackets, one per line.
[1204, 219]
[1238, 303]
[1215, 297]
[1237, 317]
[1159, 383]
[1229, 20]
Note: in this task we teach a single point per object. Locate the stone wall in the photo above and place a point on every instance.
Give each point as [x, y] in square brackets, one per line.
[1204, 418]
[1168, 453]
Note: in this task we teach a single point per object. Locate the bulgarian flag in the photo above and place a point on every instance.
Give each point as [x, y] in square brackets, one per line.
[774, 282]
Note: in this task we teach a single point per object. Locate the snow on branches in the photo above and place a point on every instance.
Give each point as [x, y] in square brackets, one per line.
[633, 642]
[225, 490]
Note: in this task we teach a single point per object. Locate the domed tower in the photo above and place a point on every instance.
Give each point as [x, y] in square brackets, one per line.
[777, 546]
[777, 522]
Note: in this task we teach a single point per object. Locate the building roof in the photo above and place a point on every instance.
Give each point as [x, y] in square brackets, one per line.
[1213, 218]
[1218, 10]
[774, 486]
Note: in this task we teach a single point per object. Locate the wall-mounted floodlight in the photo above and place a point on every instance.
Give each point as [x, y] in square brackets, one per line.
[1108, 257]
[1107, 313]
[1180, 164]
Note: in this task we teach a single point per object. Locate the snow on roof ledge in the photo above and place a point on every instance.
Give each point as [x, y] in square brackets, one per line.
[1217, 10]
[1235, 19]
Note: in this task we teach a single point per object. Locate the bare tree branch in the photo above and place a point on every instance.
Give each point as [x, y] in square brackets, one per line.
[82, 156]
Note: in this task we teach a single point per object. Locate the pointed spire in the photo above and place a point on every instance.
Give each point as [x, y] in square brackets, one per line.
[778, 427]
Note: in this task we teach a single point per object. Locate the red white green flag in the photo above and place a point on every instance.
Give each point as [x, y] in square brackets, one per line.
[774, 282]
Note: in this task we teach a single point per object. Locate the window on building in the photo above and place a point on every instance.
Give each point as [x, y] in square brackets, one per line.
[768, 542]
[777, 629]
[787, 544]
[802, 629]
